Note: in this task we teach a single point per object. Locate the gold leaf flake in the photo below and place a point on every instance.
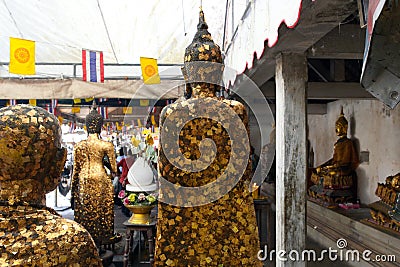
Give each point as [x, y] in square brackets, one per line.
[169, 263]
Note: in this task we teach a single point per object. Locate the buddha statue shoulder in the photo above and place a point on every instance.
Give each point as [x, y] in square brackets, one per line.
[31, 162]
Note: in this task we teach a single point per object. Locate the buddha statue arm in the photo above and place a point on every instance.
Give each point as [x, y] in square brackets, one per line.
[324, 167]
[75, 176]
[111, 156]
[344, 161]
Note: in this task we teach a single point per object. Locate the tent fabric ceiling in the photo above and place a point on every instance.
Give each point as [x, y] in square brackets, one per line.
[260, 22]
[124, 30]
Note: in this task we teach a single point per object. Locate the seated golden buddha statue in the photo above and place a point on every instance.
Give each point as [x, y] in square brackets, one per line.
[336, 179]
[386, 211]
[394, 214]
[31, 161]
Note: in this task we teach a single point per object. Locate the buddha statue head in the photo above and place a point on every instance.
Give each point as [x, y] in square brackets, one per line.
[203, 66]
[94, 121]
[341, 125]
[395, 183]
[31, 156]
[388, 180]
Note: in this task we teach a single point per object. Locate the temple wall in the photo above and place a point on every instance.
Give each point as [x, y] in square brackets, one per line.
[374, 128]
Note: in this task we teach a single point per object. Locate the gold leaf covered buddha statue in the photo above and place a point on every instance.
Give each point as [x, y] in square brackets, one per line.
[386, 211]
[394, 213]
[205, 216]
[92, 190]
[31, 161]
[336, 180]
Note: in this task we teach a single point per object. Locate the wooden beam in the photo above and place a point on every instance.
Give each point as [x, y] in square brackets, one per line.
[338, 71]
[326, 90]
[343, 42]
[291, 162]
[312, 109]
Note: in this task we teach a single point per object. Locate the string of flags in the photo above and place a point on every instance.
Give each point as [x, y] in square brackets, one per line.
[123, 127]
[110, 127]
[23, 62]
[146, 122]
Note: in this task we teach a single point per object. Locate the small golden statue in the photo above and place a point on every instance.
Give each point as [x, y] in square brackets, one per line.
[93, 197]
[386, 211]
[31, 161]
[336, 180]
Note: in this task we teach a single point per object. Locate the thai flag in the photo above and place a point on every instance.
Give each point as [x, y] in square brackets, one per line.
[52, 107]
[104, 112]
[92, 66]
[72, 127]
[102, 109]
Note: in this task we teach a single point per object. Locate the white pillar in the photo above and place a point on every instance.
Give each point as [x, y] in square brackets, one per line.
[291, 162]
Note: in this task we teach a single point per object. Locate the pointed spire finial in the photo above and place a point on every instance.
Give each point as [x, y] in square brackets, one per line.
[202, 25]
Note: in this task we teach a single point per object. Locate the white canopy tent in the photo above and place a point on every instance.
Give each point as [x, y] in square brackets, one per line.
[126, 30]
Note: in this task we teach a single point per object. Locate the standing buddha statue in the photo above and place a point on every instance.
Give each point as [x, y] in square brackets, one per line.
[92, 189]
[200, 222]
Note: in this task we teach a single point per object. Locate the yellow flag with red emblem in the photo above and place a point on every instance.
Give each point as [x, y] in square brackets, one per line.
[22, 56]
[127, 110]
[149, 70]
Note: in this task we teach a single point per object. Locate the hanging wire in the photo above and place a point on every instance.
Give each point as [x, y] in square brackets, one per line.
[108, 34]
[225, 25]
[12, 18]
[183, 18]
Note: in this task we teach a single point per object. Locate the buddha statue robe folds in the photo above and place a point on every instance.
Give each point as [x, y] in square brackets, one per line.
[92, 188]
[336, 180]
[31, 161]
[206, 213]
